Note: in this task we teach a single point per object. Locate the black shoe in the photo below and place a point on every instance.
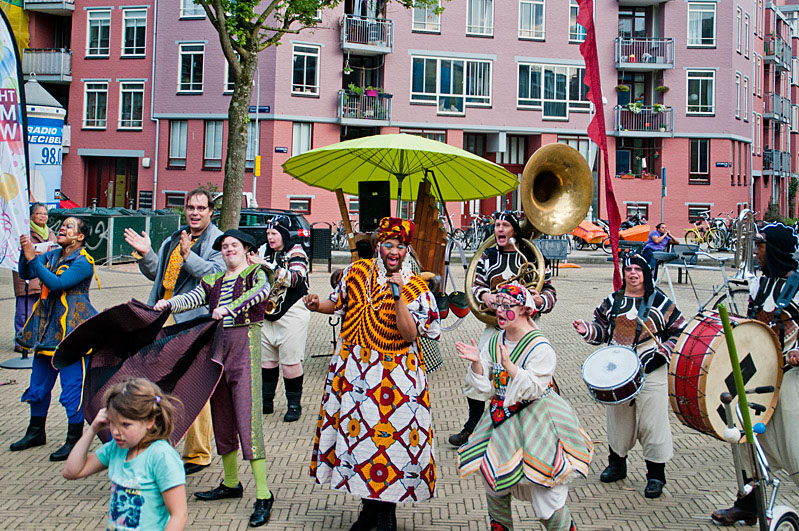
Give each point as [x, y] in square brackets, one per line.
[74, 433]
[733, 515]
[615, 471]
[263, 509]
[293, 413]
[269, 406]
[193, 468]
[367, 518]
[34, 435]
[387, 517]
[654, 488]
[220, 493]
[460, 438]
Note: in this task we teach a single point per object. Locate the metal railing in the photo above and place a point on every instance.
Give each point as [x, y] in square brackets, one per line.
[786, 162]
[644, 52]
[777, 51]
[772, 160]
[47, 62]
[363, 107]
[777, 107]
[645, 118]
[367, 31]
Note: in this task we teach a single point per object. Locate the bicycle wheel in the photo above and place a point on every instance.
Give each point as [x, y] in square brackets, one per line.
[737, 303]
[787, 522]
[715, 239]
[606, 246]
[579, 243]
[692, 237]
[459, 235]
[594, 246]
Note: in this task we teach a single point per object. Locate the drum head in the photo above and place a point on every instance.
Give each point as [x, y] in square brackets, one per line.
[610, 367]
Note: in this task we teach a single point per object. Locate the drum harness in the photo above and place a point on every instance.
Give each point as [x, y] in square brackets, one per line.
[787, 293]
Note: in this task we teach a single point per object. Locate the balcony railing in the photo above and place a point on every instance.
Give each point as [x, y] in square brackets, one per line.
[644, 53]
[366, 35]
[53, 7]
[658, 120]
[777, 52]
[777, 107]
[786, 162]
[48, 64]
[354, 106]
[776, 161]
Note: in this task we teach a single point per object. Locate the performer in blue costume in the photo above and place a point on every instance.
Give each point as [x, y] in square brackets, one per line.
[65, 275]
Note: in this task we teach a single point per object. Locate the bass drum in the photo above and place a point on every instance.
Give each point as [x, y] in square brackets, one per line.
[700, 370]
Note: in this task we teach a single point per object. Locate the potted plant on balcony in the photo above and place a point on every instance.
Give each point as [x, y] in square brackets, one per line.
[347, 70]
[662, 89]
[635, 107]
[622, 88]
[659, 108]
[371, 91]
[358, 91]
[627, 175]
[648, 176]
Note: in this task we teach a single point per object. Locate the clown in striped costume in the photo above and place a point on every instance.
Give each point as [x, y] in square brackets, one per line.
[529, 444]
[374, 435]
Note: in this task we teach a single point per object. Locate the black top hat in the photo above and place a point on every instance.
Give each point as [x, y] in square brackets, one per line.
[243, 237]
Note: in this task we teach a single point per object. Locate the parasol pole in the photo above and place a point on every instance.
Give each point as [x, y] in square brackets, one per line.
[440, 197]
[345, 219]
[400, 177]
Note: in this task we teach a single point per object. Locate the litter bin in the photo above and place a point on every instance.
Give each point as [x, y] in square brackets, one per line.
[321, 244]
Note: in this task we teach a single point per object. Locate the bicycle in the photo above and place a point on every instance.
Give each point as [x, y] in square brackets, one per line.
[704, 232]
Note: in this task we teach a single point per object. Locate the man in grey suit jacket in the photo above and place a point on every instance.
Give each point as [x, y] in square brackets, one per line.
[182, 261]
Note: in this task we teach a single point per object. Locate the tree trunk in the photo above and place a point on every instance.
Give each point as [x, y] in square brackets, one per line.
[238, 116]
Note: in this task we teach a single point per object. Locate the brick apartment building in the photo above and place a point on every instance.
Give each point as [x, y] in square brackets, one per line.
[701, 88]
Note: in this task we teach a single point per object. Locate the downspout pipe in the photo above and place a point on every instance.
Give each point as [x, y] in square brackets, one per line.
[152, 112]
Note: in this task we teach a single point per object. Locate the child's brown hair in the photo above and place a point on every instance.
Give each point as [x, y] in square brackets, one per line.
[142, 400]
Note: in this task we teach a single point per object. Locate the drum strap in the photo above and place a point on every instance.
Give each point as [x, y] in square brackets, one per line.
[643, 315]
[614, 311]
[789, 290]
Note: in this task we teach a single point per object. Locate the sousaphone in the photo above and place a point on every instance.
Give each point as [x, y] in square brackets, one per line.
[557, 189]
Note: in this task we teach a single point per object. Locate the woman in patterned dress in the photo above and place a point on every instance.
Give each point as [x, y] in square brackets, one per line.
[529, 444]
[374, 435]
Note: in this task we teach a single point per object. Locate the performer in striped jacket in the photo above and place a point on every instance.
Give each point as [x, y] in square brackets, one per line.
[529, 444]
[237, 296]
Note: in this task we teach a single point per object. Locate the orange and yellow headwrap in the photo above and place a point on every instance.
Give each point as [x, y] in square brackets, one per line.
[395, 229]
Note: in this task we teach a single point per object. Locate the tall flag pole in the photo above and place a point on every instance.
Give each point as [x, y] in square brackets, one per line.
[596, 128]
[14, 210]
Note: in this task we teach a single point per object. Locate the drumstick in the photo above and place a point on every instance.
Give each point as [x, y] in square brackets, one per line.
[649, 331]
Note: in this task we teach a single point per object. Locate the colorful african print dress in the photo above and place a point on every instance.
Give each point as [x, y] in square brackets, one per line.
[529, 435]
[374, 435]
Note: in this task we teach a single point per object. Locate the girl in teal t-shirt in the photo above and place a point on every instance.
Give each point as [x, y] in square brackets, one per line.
[147, 477]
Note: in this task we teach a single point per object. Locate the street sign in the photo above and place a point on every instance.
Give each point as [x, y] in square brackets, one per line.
[280, 149]
[263, 109]
[722, 164]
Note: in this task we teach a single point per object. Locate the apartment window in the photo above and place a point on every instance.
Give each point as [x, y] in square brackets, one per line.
[531, 19]
[637, 209]
[188, 9]
[794, 71]
[440, 136]
[451, 83]
[794, 118]
[545, 87]
[738, 95]
[98, 29]
[701, 92]
[135, 23]
[746, 35]
[301, 139]
[178, 135]
[758, 134]
[131, 98]
[230, 83]
[699, 155]
[701, 24]
[301, 205]
[746, 99]
[212, 155]
[426, 19]
[738, 30]
[192, 57]
[95, 99]
[305, 79]
[695, 211]
[175, 199]
[759, 18]
[252, 140]
[576, 31]
[758, 74]
[480, 17]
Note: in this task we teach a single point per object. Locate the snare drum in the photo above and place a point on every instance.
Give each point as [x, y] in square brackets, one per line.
[700, 371]
[614, 375]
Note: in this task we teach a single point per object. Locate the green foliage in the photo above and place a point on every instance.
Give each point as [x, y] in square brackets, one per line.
[211, 188]
[772, 213]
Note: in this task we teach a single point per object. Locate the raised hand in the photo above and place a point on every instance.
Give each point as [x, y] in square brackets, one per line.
[100, 422]
[141, 243]
[507, 364]
[185, 244]
[468, 352]
[27, 247]
[580, 327]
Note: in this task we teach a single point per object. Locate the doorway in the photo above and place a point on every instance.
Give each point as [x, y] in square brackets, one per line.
[112, 182]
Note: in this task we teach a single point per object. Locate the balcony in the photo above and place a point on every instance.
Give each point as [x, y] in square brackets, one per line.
[360, 109]
[644, 120]
[50, 65]
[777, 52]
[644, 53]
[366, 36]
[62, 8]
[777, 107]
[776, 162]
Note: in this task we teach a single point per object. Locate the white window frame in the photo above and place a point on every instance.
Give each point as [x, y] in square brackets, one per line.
[694, 174]
[95, 87]
[252, 144]
[738, 17]
[130, 89]
[138, 17]
[758, 75]
[795, 71]
[759, 18]
[738, 95]
[187, 51]
[794, 118]
[171, 197]
[746, 35]
[700, 7]
[212, 151]
[483, 11]
[531, 34]
[301, 138]
[699, 209]
[746, 98]
[581, 104]
[704, 76]
[426, 20]
[576, 31]
[758, 133]
[300, 203]
[178, 138]
[188, 9]
[306, 51]
[228, 84]
[470, 93]
[101, 19]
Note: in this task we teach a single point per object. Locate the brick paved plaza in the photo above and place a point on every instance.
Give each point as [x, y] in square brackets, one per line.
[33, 494]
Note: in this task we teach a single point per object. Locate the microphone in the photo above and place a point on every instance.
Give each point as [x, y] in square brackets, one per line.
[395, 292]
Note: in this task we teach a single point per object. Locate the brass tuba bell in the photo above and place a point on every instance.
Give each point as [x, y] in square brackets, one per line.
[557, 189]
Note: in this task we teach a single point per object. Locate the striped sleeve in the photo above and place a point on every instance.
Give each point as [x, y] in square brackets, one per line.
[480, 286]
[188, 301]
[255, 295]
[598, 330]
[297, 262]
[549, 295]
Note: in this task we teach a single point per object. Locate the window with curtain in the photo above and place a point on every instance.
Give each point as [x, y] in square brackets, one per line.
[426, 19]
[212, 156]
[301, 140]
[480, 17]
[95, 99]
[452, 84]
[576, 31]
[192, 57]
[701, 92]
[130, 105]
[305, 78]
[178, 135]
[98, 33]
[555, 89]
[252, 138]
[702, 24]
[531, 19]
